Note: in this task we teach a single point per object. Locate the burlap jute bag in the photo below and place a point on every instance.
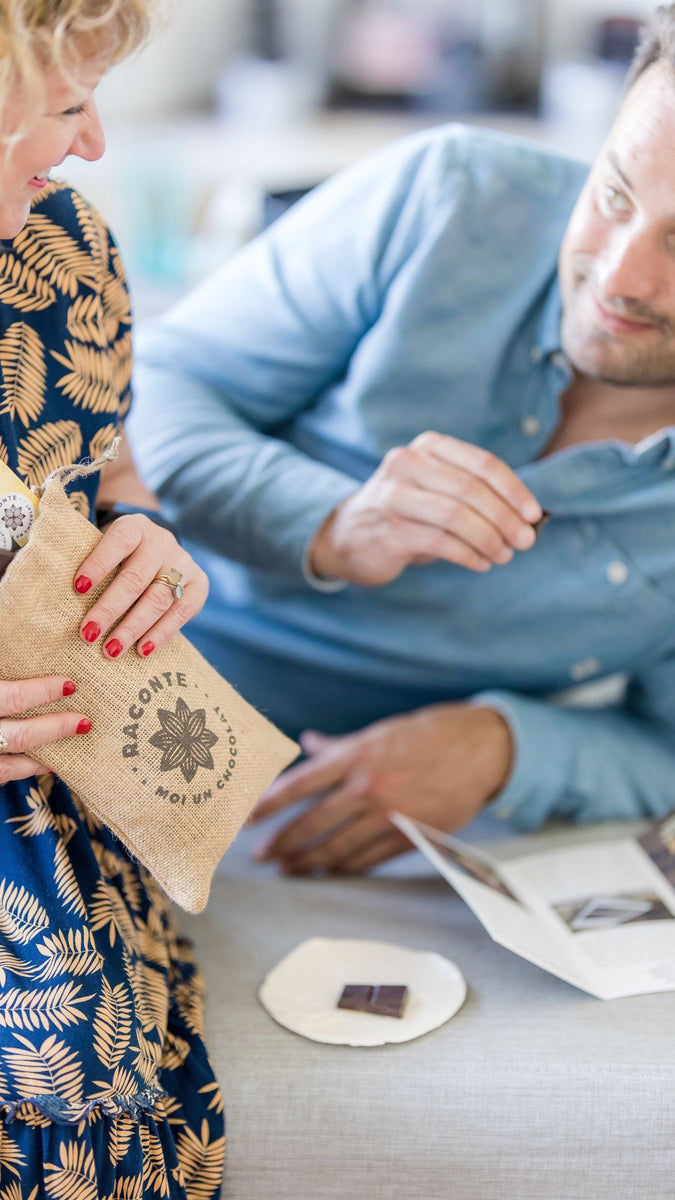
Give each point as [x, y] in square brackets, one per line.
[176, 759]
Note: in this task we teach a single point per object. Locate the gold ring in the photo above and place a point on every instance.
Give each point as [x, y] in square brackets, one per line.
[172, 580]
[4, 744]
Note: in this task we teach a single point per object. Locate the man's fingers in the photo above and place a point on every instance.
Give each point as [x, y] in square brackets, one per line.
[380, 850]
[301, 782]
[423, 541]
[319, 821]
[454, 515]
[361, 828]
[487, 466]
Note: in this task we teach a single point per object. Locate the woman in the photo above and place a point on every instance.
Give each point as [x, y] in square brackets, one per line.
[105, 1085]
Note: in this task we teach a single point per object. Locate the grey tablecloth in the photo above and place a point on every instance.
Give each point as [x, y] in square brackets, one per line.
[534, 1091]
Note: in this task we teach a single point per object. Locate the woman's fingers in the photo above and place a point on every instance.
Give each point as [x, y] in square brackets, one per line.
[137, 607]
[17, 696]
[18, 766]
[149, 638]
[24, 736]
[20, 737]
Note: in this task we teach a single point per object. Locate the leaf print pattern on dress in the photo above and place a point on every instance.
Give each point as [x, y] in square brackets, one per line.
[11, 1158]
[89, 380]
[200, 1162]
[50, 1069]
[75, 1177]
[24, 373]
[35, 1009]
[113, 1024]
[71, 953]
[22, 288]
[22, 917]
[55, 255]
[50, 446]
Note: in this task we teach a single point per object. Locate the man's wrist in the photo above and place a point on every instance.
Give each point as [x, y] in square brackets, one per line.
[498, 750]
[320, 559]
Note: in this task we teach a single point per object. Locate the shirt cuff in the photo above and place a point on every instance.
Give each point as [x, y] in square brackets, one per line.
[540, 761]
[320, 583]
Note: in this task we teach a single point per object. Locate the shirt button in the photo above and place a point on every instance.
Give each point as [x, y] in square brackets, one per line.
[617, 572]
[530, 426]
[536, 354]
[584, 669]
[504, 813]
[668, 463]
[558, 359]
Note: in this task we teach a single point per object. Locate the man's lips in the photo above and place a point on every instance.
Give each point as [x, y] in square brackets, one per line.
[38, 181]
[615, 323]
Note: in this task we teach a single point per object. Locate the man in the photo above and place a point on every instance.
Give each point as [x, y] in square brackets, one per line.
[359, 420]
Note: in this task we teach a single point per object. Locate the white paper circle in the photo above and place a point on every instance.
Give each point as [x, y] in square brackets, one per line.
[302, 991]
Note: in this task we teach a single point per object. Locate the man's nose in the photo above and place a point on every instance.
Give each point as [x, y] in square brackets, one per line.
[89, 142]
[629, 267]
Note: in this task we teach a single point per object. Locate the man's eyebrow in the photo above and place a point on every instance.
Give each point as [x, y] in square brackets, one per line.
[615, 163]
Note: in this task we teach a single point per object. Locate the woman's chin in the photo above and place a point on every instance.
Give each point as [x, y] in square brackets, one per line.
[12, 220]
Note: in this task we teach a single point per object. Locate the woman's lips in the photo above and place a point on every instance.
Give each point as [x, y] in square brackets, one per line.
[617, 324]
[38, 181]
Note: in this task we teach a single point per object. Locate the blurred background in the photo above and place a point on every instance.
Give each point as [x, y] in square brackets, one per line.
[237, 106]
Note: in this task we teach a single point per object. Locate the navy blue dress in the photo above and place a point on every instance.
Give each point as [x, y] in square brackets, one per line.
[106, 1089]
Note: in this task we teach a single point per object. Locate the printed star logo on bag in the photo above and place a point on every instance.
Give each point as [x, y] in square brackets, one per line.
[184, 740]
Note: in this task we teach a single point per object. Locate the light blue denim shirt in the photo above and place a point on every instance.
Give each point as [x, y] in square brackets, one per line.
[418, 291]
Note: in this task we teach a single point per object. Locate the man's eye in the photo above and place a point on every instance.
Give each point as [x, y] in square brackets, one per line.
[74, 111]
[615, 200]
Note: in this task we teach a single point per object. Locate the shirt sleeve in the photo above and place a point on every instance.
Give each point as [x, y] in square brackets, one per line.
[218, 379]
[590, 764]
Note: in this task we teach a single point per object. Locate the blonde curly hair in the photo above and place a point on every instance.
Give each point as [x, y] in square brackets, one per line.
[39, 35]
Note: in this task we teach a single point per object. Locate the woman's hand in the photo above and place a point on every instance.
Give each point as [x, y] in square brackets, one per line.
[144, 611]
[24, 736]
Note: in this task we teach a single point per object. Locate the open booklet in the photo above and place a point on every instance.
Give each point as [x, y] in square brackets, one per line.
[600, 915]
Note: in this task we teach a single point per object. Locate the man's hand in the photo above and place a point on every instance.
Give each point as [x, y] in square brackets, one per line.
[439, 765]
[437, 498]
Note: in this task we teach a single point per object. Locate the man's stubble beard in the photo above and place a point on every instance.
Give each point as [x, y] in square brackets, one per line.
[644, 368]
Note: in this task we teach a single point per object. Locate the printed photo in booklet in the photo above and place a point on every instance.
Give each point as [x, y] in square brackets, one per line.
[598, 914]
[470, 861]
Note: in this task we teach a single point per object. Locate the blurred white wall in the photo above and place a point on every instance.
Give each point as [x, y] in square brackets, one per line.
[176, 71]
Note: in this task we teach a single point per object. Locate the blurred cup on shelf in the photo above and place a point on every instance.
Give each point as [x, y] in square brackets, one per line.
[266, 92]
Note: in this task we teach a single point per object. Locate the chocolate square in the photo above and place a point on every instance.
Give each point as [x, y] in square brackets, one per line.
[539, 525]
[384, 1000]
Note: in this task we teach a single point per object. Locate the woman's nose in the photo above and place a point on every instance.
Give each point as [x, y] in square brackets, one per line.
[89, 142]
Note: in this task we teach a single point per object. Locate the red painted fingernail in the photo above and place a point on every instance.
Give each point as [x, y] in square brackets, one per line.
[69, 688]
[114, 647]
[91, 631]
[84, 726]
[82, 584]
[147, 648]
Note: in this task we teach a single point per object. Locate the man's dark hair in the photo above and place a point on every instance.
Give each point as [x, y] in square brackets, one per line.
[657, 42]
